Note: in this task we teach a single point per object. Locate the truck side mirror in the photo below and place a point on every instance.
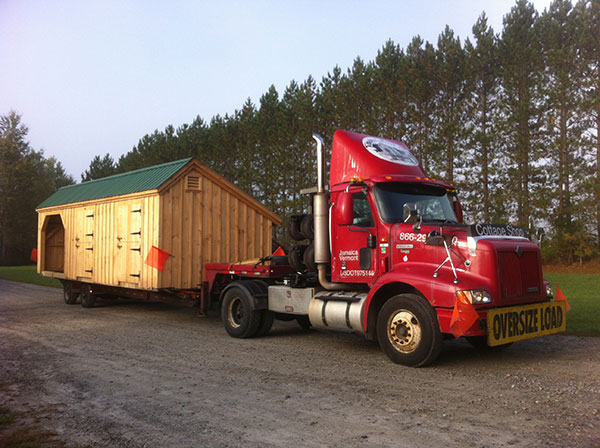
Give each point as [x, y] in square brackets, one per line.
[411, 216]
[344, 209]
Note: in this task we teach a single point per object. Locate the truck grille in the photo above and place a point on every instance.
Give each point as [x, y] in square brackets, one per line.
[519, 275]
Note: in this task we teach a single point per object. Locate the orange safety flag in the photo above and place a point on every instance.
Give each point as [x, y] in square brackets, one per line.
[157, 258]
[34, 255]
[463, 316]
[279, 252]
[561, 296]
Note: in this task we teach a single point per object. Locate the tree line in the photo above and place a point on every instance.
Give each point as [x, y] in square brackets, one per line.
[512, 118]
[26, 179]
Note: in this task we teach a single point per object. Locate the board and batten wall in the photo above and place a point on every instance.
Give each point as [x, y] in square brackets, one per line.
[106, 241]
[203, 220]
[197, 216]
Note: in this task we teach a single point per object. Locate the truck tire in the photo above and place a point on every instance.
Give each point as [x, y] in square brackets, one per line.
[307, 227]
[88, 298]
[239, 319]
[294, 227]
[266, 322]
[408, 330]
[68, 294]
[308, 258]
[296, 256]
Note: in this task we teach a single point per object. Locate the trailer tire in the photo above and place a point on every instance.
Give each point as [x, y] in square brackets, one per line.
[68, 294]
[88, 298]
[408, 330]
[239, 317]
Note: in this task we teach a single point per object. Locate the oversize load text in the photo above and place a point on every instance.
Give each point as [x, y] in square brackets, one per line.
[526, 322]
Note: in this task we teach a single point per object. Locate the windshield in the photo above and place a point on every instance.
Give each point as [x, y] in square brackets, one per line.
[432, 201]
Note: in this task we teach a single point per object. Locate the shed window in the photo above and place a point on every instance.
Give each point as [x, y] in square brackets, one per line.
[193, 183]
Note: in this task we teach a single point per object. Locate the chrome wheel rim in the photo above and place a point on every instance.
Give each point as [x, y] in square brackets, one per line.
[235, 312]
[404, 331]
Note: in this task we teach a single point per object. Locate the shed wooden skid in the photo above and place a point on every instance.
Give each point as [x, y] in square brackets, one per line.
[195, 215]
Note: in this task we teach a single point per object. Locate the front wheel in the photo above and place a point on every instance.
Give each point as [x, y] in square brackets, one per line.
[408, 330]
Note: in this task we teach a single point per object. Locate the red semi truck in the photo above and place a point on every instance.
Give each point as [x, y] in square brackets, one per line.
[386, 254]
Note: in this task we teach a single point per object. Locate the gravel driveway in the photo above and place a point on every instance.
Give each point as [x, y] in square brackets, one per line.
[133, 374]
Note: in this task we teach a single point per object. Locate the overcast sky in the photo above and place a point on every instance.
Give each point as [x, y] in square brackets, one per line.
[92, 77]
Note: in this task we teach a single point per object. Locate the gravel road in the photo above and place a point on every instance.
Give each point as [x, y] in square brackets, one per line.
[133, 374]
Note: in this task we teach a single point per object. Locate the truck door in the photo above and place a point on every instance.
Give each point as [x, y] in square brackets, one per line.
[352, 261]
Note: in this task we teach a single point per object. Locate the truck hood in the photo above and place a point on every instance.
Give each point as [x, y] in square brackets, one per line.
[497, 258]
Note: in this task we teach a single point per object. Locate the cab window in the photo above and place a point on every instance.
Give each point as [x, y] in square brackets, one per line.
[362, 211]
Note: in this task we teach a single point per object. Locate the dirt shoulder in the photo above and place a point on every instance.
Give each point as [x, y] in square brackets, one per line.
[133, 374]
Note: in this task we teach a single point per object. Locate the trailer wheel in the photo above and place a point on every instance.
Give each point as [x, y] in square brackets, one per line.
[408, 330]
[240, 320]
[68, 294]
[88, 298]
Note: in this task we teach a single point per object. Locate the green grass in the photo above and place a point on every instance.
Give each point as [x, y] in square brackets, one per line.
[27, 274]
[583, 294]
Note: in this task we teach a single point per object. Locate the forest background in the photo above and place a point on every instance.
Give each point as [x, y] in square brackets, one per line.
[511, 118]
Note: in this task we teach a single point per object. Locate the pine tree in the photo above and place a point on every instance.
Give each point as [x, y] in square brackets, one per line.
[565, 125]
[421, 99]
[99, 167]
[589, 14]
[26, 179]
[521, 65]
[450, 98]
[483, 114]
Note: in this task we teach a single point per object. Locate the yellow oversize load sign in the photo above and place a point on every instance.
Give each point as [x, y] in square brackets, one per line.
[516, 323]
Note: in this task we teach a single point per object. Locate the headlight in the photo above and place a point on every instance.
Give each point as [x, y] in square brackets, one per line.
[548, 289]
[478, 296]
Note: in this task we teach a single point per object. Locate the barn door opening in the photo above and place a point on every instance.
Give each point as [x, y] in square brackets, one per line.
[53, 244]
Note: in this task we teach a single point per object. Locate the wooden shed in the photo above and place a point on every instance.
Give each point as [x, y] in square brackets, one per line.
[101, 231]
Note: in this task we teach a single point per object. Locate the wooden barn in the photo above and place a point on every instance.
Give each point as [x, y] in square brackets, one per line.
[100, 232]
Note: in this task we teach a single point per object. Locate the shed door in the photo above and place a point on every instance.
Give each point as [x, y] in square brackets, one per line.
[128, 253]
[84, 242]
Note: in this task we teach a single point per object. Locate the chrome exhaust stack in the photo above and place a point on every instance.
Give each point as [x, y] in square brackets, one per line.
[321, 214]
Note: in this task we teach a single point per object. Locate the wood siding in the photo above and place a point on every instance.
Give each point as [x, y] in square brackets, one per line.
[105, 242]
[207, 225]
[197, 217]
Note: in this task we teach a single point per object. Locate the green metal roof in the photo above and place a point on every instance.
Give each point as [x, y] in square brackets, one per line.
[131, 182]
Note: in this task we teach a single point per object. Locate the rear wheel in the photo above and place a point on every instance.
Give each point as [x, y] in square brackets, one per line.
[68, 294]
[88, 298]
[408, 330]
[266, 322]
[240, 320]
